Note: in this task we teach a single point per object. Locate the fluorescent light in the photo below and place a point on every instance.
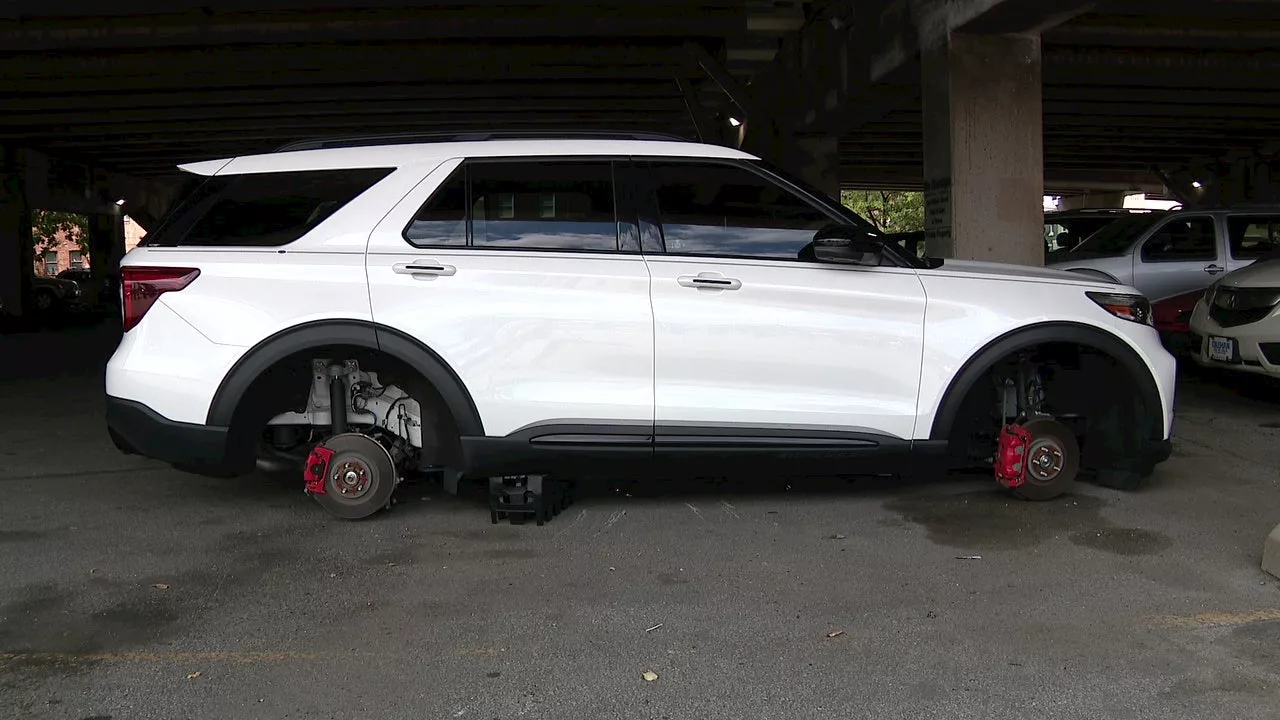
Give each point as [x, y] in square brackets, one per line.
[1196, 184]
[735, 121]
[120, 201]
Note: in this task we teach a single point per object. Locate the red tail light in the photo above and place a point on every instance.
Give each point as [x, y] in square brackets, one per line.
[142, 286]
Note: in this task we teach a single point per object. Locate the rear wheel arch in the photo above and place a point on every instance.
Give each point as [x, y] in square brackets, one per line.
[996, 351]
[230, 409]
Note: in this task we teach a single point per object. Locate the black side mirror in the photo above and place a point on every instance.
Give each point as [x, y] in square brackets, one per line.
[845, 245]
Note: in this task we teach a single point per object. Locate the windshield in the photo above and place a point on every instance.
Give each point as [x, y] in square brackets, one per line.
[1117, 236]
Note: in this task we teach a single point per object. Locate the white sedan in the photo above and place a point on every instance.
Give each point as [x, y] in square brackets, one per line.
[1236, 326]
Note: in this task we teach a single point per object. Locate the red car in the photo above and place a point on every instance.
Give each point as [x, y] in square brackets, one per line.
[1173, 319]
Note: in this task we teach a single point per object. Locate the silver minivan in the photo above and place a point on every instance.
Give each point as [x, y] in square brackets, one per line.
[1170, 253]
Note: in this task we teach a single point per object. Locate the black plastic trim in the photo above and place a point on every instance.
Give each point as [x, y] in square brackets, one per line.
[345, 332]
[1027, 337]
[137, 429]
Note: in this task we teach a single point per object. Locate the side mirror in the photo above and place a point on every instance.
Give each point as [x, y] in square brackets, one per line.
[846, 245]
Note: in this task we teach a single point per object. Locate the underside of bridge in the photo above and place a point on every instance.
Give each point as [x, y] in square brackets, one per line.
[986, 104]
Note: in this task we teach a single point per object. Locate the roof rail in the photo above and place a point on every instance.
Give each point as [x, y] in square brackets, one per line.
[470, 136]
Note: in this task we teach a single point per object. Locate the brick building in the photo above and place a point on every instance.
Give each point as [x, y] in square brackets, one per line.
[65, 254]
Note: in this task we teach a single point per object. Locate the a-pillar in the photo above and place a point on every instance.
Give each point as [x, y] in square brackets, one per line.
[16, 251]
[984, 148]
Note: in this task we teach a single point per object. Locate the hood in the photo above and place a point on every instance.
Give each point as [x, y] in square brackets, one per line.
[1003, 271]
[1263, 273]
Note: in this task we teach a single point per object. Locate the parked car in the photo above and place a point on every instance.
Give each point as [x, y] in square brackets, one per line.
[1236, 325]
[1173, 320]
[51, 294]
[1164, 254]
[103, 291]
[522, 311]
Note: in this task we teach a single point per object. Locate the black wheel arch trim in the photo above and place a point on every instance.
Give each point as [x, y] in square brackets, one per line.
[358, 333]
[1022, 338]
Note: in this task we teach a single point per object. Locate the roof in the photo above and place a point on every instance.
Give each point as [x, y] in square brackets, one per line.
[415, 153]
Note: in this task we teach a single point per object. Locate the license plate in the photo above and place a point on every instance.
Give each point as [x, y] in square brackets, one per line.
[1222, 349]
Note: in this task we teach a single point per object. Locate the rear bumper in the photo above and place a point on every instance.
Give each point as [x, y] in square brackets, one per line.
[139, 430]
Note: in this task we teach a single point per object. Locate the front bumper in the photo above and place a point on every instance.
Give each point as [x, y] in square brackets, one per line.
[137, 429]
[1252, 357]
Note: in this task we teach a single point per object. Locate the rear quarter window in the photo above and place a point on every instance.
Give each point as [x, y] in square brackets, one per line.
[262, 209]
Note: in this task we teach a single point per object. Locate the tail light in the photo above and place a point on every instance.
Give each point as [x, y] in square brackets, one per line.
[142, 286]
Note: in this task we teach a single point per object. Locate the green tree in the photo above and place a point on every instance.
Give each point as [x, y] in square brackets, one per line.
[47, 224]
[892, 211]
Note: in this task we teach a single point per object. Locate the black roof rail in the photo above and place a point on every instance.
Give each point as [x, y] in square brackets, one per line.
[470, 136]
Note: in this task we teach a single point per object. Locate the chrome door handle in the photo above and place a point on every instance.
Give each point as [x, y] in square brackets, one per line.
[1213, 269]
[427, 268]
[709, 281]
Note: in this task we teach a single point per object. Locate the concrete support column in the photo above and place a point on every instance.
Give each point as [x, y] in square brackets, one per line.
[106, 244]
[812, 158]
[984, 148]
[16, 252]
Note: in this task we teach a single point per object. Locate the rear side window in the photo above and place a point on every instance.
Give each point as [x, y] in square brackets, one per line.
[539, 205]
[1182, 240]
[261, 210]
[1253, 236]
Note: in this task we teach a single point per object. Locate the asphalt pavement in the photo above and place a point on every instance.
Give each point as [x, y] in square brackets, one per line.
[130, 590]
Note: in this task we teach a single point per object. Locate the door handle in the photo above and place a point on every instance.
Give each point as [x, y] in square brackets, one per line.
[1213, 269]
[709, 281]
[424, 268]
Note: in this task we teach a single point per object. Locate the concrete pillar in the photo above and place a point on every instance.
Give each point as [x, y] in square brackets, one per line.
[16, 252]
[106, 244]
[984, 148]
[812, 158]
[819, 160]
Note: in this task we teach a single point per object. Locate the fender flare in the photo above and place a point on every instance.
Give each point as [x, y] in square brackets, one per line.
[1022, 338]
[360, 334]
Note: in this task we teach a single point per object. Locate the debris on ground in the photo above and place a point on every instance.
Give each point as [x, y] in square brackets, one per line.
[836, 537]
[835, 633]
[194, 675]
[968, 557]
[649, 676]
[931, 615]
[160, 586]
[655, 627]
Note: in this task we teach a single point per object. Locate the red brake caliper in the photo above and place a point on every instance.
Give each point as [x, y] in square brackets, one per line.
[317, 469]
[1011, 455]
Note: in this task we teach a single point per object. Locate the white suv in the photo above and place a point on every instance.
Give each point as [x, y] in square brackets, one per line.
[533, 310]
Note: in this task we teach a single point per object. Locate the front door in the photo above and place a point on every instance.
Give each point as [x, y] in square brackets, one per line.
[1182, 255]
[522, 277]
[750, 340]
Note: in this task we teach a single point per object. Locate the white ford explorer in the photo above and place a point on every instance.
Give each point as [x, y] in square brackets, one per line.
[533, 310]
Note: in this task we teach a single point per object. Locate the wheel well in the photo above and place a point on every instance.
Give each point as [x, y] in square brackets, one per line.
[286, 384]
[1089, 374]
[1092, 391]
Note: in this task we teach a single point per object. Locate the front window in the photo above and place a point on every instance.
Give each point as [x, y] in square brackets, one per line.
[51, 263]
[1118, 236]
[713, 209]
[1189, 239]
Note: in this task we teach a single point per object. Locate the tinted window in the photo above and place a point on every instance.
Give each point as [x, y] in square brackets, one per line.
[1188, 239]
[1118, 236]
[1253, 236]
[727, 210]
[264, 209]
[442, 220]
[543, 205]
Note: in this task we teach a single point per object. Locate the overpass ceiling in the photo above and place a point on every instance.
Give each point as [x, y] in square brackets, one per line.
[1128, 83]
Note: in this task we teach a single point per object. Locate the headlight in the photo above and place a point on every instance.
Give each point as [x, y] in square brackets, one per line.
[1134, 308]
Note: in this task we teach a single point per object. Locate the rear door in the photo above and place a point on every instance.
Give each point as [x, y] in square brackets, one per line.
[525, 277]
